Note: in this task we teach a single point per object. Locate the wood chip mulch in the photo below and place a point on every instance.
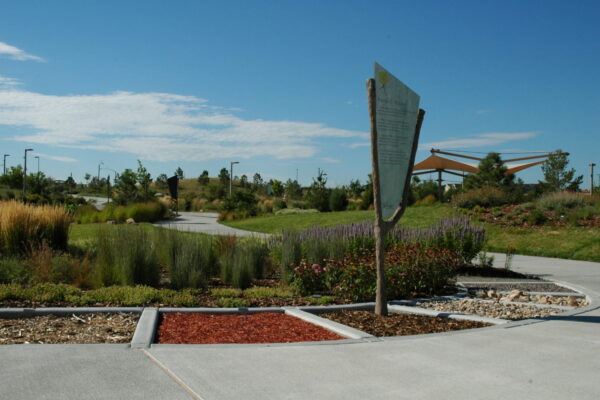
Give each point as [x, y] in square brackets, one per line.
[268, 327]
[397, 324]
[80, 329]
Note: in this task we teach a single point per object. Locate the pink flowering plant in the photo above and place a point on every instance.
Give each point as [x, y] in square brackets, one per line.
[310, 278]
[410, 270]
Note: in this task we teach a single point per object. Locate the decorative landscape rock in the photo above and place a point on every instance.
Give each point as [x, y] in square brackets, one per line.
[130, 221]
[491, 310]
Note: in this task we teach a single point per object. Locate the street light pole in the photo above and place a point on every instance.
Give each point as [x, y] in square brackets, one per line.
[592, 165]
[6, 155]
[25, 170]
[231, 176]
[38, 158]
[101, 163]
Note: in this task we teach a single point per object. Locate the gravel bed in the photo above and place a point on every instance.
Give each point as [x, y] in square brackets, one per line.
[470, 278]
[84, 328]
[526, 287]
[524, 297]
[398, 324]
[490, 310]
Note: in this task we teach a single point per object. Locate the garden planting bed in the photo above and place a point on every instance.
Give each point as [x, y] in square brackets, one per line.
[524, 286]
[491, 309]
[398, 324]
[264, 327]
[71, 329]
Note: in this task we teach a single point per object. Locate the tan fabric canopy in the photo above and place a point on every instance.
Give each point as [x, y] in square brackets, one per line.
[436, 162]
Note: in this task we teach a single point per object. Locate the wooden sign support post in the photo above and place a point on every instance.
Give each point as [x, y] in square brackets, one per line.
[382, 227]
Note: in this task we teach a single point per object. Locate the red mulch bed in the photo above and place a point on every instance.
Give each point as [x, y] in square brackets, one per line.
[268, 327]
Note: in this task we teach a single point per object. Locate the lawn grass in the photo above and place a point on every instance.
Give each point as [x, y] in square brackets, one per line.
[418, 216]
[81, 233]
[576, 243]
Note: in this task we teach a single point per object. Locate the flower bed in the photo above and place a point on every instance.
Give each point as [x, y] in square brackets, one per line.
[268, 327]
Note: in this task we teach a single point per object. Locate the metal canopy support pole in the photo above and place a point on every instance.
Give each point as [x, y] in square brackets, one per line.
[440, 192]
[382, 227]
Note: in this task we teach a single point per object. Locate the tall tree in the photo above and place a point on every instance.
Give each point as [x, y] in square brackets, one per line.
[491, 172]
[144, 179]
[556, 175]
[224, 176]
[179, 173]
[203, 179]
[293, 190]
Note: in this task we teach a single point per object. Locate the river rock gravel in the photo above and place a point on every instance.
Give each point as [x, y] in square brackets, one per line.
[527, 287]
[490, 310]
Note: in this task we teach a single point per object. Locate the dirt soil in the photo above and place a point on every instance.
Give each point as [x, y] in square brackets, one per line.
[83, 328]
[398, 324]
[268, 327]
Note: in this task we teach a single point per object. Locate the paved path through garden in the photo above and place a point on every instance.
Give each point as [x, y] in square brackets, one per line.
[203, 223]
[553, 359]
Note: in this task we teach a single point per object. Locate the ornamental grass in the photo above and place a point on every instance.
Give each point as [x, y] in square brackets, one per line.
[24, 227]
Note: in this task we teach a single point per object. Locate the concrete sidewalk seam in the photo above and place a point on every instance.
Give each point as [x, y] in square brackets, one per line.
[172, 375]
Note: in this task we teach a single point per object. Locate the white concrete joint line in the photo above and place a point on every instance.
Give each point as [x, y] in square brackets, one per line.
[172, 375]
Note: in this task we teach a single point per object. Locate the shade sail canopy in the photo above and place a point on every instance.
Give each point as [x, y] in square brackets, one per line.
[441, 163]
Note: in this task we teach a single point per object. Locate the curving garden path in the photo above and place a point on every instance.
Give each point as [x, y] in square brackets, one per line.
[203, 222]
[558, 358]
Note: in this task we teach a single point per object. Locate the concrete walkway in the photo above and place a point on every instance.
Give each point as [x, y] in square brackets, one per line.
[204, 223]
[553, 359]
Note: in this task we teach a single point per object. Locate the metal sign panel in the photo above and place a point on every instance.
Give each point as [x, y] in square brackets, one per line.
[397, 108]
[172, 182]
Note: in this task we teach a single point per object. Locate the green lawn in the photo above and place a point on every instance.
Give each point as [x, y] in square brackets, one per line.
[418, 216]
[575, 243]
[80, 233]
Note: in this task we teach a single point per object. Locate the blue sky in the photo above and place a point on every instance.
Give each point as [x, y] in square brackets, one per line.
[280, 85]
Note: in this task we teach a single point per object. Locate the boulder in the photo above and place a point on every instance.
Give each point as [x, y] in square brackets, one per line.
[130, 221]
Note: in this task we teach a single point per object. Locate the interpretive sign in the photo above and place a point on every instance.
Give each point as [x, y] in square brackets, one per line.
[397, 108]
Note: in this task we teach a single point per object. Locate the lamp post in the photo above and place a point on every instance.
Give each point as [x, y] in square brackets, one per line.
[38, 158]
[99, 165]
[592, 165]
[6, 155]
[231, 176]
[25, 170]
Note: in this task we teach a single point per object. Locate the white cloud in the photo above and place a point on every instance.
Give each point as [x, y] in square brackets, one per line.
[14, 53]
[357, 145]
[56, 158]
[330, 160]
[157, 126]
[8, 82]
[480, 140]
[483, 111]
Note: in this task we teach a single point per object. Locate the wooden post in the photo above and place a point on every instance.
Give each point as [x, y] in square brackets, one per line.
[382, 227]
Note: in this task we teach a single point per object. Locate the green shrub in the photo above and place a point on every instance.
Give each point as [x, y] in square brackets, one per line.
[563, 201]
[14, 270]
[410, 270]
[141, 212]
[319, 301]
[338, 200]
[229, 302]
[581, 214]
[261, 292]
[488, 196]
[226, 292]
[279, 204]
[536, 217]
